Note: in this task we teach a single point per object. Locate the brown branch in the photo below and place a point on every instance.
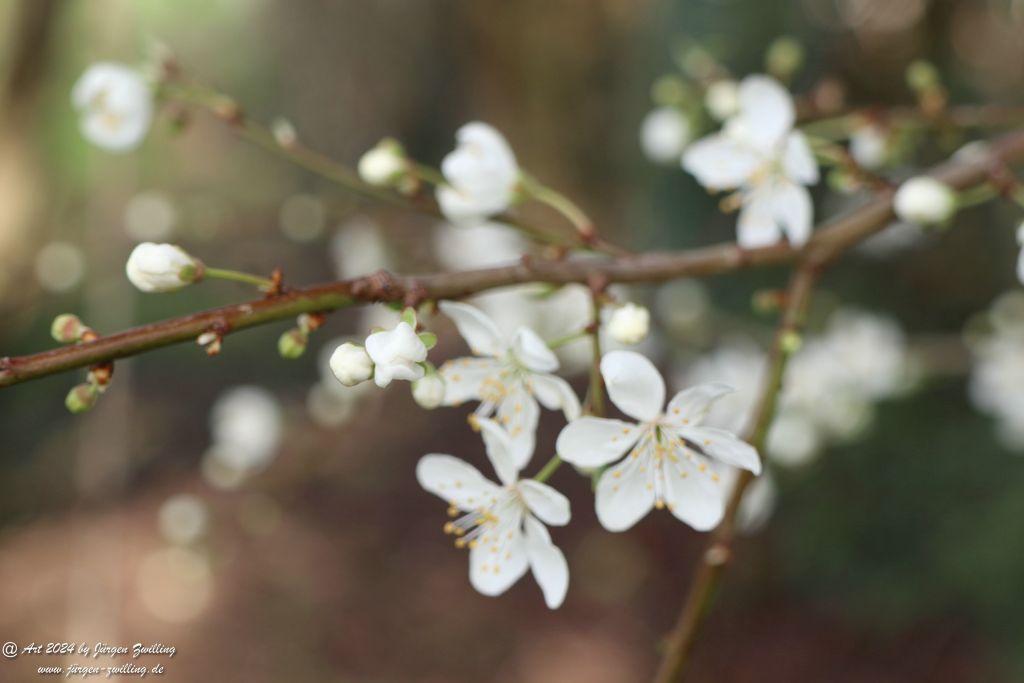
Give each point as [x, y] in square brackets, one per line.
[828, 242]
[719, 549]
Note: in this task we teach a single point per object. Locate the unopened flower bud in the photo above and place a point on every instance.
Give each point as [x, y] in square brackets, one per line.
[629, 323]
[351, 364]
[162, 267]
[722, 99]
[924, 201]
[292, 343]
[284, 132]
[784, 57]
[922, 76]
[791, 342]
[81, 398]
[67, 328]
[384, 165]
[428, 391]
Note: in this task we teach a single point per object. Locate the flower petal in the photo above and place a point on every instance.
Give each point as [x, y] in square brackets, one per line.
[766, 109]
[495, 567]
[756, 226]
[625, 493]
[634, 384]
[720, 162]
[798, 160]
[479, 331]
[518, 413]
[595, 441]
[545, 502]
[547, 562]
[499, 449]
[689, 406]
[792, 210]
[694, 492]
[723, 446]
[531, 351]
[555, 393]
[457, 482]
[464, 378]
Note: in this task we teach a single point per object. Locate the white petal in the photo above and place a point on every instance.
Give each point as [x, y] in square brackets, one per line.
[518, 413]
[720, 162]
[457, 482]
[595, 441]
[531, 351]
[766, 109]
[798, 160]
[723, 446]
[550, 569]
[499, 450]
[634, 384]
[756, 226]
[1020, 266]
[694, 490]
[458, 207]
[491, 571]
[792, 210]
[689, 406]
[625, 493]
[545, 502]
[479, 331]
[464, 378]
[555, 393]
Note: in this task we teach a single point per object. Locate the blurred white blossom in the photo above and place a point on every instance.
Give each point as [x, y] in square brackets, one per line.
[115, 105]
[924, 201]
[247, 425]
[482, 174]
[722, 99]
[359, 248]
[759, 152]
[59, 266]
[150, 216]
[996, 384]
[302, 217]
[628, 323]
[183, 518]
[869, 146]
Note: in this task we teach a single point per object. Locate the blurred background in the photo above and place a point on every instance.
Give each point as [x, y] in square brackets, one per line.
[266, 522]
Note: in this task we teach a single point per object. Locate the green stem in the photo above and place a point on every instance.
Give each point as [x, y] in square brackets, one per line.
[560, 203]
[595, 395]
[979, 194]
[238, 276]
[567, 339]
[545, 473]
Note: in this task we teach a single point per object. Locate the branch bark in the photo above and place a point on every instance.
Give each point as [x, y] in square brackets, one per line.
[830, 240]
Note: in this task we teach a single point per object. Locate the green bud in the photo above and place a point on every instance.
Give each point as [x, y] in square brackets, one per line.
[409, 316]
[791, 342]
[81, 398]
[922, 76]
[292, 343]
[190, 273]
[669, 90]
[784, 57]
[67, 328]
[429, 339]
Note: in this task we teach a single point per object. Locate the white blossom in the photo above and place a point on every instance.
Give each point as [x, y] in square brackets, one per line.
[869, 146]
[629, 323]
[481, 172]
[760, 153]
[161, 267]
[996, 384]
[115, 104]
[397, 354]
[1020, 258]
[351, 364]
[664, 134]
[247, 428]
[384, 165]
[509, 377]
[673, 460]
[428, 391]
[503, 525]
[722, 99]
[924, 201]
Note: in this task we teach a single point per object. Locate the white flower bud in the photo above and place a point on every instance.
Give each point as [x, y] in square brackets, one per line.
[396, 354]
[351, 364]
[869, 146]
[664, 134]
[428, 391]
[482, 174]
[384, 165]
[722, 99]
[629, 323]
[116, 106]
[924, 201]
[162, 267]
